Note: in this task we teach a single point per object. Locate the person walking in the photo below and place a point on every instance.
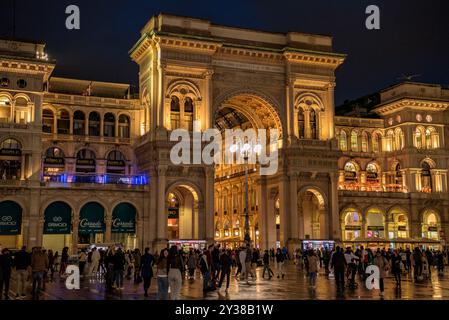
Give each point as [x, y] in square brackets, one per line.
[280, 263]
[175, 270]
[162, 275]
[22, 261]
[39, 265]
[51, 264]
[109, 266]
[205, 270]
[119, 267]
[225, 262]
[248, 264]
[313, 268]
[242, 259]
[191, 264]
[146, 269]
[416, 261]
[266, 265]
[396, 262]
[338, 263]
[6, 264]
[382, 263]
[239, 263]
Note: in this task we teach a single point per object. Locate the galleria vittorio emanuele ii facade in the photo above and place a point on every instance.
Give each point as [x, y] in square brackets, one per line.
[86, 162]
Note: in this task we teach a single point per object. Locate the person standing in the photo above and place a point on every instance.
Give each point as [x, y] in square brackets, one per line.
[313, 268]
[238, 262]
[119, 267]
[22, 262]
[51, 264]
[248, 264]
[137, 259]
[64, 260]
[175, 270]
[95, 260]
[146, 269]
[338, 263]
[109, 263]
[242, 259]
[6, 264]
[225, 262]
[280, 263]
[266, 265]
[396, 261]
[82, 261]
[162, 275]
[39, 265]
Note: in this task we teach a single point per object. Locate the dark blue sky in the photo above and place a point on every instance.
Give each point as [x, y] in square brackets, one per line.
[414, 35]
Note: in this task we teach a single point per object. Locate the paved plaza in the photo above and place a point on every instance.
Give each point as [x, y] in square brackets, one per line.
[293, 287]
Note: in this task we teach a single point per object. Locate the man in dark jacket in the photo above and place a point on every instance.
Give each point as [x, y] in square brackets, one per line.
[225, 262]
[119, 268]
[146, 267]
[22, 261]
[5, 272]
[338, 263]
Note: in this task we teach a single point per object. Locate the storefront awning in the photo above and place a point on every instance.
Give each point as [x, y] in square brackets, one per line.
[124, 219]
[58, 218]
[92, 218]
[10, 218]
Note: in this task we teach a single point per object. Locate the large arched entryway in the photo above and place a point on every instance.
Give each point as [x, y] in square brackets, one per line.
[182, 208]
[242, 110]
[312, 207]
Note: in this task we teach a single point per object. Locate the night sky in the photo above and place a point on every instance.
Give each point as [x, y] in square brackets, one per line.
[414, 35]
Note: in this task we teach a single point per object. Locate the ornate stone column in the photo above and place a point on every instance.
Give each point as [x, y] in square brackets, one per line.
[307, 131]
[334, 225]
[262, 194]
[294, 225]
[209, 206]
[161, 238]
[107, 234]
[284, 207]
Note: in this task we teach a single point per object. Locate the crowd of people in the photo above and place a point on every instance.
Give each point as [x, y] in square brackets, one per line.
[212, 265]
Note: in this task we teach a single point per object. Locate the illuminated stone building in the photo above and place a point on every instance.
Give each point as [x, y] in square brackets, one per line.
[87, 162]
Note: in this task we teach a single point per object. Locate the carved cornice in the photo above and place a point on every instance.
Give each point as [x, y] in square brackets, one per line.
[419, 104]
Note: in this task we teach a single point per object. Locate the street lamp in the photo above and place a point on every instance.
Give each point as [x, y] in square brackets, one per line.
[245, 151]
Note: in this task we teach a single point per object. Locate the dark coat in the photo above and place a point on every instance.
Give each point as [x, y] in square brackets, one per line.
[146, 265]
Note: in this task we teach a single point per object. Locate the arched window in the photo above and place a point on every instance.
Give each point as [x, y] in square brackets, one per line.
[364, 141]
[21, 110]
[354, 141]
[175, 113]
[431, 225]
[372, 173]
[390, 141]
[116, 162]
[53, 162]
[85, 161]
[375, 140]
[123, 126]
[375, 224]
[343, 141]
[109, 125]
[47, 121]
[10, 159]
[432, 138]
[5, 109]
[94, 124]
[419, 136]
[352, 225]
[350, 172]
[301, 127]
[426, 177]
[398, 139]
[313, 124]
[188, 114]
[63, 122]
[79, 123]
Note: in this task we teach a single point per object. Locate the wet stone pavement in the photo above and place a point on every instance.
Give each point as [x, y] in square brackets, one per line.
[293, 287]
